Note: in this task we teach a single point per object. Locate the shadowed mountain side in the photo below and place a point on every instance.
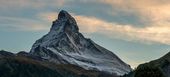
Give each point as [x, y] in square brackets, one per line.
[155, 68]
[21, 66]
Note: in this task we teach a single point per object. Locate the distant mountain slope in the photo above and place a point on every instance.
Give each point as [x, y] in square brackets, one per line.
[155, 68]
[64, 44]
[17, 65]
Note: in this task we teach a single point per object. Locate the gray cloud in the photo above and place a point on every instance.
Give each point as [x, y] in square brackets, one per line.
[22, 24]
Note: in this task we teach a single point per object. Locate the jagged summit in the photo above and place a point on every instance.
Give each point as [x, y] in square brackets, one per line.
[65, 23]
[64, 44]
[63, 14]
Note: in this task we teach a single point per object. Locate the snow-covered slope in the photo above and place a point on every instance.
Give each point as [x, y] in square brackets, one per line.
[65, 45]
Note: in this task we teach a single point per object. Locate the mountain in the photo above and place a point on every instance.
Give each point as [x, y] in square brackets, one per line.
[156, 68]
[22, 65]
[64, 44]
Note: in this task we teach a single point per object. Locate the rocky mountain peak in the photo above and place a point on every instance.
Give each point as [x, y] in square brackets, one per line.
[65, 23]
[63, 14]
[64, 44]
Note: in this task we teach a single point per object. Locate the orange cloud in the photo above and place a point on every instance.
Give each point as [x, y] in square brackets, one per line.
[48, 16]
[159, 33]
[151, 10]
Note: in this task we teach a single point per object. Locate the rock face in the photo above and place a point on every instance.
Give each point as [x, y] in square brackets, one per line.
[64, 44]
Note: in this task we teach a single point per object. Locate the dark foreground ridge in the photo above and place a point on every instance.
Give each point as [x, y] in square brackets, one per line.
[155, 68]
[22, 65]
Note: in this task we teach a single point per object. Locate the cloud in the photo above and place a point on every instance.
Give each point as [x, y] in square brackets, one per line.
[155, 12]
[150, 10]
[22, 4]
[159, 33]
[48, 16]
[21, 24]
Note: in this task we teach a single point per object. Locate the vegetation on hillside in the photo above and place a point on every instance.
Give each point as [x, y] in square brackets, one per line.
[155, 68]
[21, 66]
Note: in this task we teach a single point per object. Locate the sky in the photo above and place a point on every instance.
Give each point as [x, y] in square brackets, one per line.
[137, 31]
